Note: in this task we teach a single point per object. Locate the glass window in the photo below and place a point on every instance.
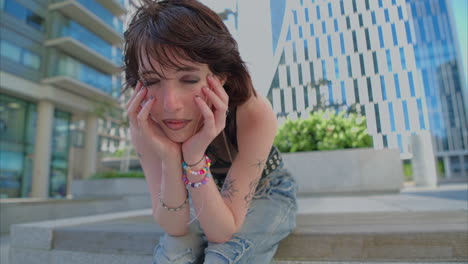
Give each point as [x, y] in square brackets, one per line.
[300, 32]
[376, 65]
[337, 68]
[408, 32]
[342, 7]
[387, 16]
[380, 3]
[295, 16]
[312, 31]
[318, 12]
[389, 60]
[306, 50]
[59, 157]
[394, 35]
[422, 124]
[348, 62]
[307, 15]
[299, 71]
[354, 6]
[330, 48]
[24, 14]
[406, 115]
[361, 23]
[403, 58]
[31, 60]
[381, 37]
[331, 99]
[335, 23]
[400, 142]
[367, 5]
[330, 11]
[10, 51]
[343, 92]
[324, 70]
[377, 118]
[17, 131]
[384, 89]
[411, 84]
[317, 46]
[356, 91]
[294, 52]
[369, 90]
[324, 27]
[392, 116]
[374, 20]
[361, 61]
[368, 43]
[348, 23]
[35, 20]
[288, 74]
[312, 72]
[397, 85]
[355, 45]
[342, 44]
[400, 13]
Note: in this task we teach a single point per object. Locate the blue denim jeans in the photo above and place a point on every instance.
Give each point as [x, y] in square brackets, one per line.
[270, 218]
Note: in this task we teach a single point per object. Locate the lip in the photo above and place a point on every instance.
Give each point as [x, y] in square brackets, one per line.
[176, 124]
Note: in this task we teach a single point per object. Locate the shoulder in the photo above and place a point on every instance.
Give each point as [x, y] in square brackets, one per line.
[256, 113]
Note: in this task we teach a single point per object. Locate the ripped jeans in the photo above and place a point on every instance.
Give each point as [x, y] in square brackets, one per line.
[270, 218]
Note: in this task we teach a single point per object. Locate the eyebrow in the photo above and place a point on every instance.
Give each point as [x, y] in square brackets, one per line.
[180, 69]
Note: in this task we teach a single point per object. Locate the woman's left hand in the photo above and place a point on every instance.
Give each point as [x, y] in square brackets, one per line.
[214, 120]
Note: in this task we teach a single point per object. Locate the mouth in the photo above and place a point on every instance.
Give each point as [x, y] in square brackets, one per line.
[176, 124]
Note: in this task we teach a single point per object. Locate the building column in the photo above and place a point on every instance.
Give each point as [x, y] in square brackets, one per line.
[423, 162]
[447, 167]
[42, 150]
[90, 150]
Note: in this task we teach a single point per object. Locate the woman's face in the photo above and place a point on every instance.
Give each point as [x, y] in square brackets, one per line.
[175, 109]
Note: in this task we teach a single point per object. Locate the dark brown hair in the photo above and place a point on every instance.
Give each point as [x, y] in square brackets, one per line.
[193, 32]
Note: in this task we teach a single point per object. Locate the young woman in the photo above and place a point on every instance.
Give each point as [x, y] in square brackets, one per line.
[204, 139]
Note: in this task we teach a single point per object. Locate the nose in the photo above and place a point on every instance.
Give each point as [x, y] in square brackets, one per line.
[172, 101]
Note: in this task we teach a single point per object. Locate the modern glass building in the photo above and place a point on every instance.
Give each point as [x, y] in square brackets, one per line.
[59, 63]
[397, 61]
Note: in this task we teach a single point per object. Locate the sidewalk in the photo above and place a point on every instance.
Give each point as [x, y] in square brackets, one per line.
[442, 209]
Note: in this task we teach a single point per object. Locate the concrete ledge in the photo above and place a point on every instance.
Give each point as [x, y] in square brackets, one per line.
[361, 170]
[131, 236]
[25, 210]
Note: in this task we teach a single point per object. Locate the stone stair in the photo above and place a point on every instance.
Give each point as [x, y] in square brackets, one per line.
[361, 237]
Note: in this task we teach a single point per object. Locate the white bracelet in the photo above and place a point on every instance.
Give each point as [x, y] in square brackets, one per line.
[170, 209]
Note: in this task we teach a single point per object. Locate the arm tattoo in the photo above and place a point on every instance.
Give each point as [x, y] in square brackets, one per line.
[259, 165]
[228, 189]
[249, 196]
[139, 155]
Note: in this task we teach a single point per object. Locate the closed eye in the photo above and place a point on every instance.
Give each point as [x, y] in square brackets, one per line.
[150, 82]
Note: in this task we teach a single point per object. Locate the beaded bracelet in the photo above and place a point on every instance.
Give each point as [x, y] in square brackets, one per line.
[170, 209]
[200, 172]
[195, 184]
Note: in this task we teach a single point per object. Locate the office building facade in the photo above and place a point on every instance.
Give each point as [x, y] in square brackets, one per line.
[398, 62]
[59, 67]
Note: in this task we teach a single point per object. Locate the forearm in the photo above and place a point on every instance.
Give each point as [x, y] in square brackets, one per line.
[164, 184]
[173, 193]
[215, 217]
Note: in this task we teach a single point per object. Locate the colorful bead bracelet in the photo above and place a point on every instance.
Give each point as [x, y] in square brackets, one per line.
[200, 172]
[196, 184]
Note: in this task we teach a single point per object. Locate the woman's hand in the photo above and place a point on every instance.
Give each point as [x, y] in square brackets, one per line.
[146, 135]
[214, 120]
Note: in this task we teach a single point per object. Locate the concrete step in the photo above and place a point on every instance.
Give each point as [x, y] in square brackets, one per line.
[376, 237]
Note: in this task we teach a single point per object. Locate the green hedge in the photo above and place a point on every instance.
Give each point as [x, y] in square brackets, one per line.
[118, 174]
[323, 130]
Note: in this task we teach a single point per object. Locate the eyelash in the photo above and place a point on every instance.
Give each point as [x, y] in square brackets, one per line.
[149, 83]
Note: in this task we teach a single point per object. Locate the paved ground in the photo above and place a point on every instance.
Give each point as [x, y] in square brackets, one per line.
[443, 198]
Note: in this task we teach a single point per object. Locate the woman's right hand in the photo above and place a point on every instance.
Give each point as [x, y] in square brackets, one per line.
[146, 135]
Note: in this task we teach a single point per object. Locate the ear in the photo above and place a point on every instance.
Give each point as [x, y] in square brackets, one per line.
[222, 79]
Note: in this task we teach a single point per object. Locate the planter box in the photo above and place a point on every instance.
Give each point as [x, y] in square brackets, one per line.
[109, 187]
[363, 170]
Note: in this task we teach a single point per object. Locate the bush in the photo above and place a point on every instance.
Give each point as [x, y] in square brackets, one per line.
[323, 130]
[118, 174]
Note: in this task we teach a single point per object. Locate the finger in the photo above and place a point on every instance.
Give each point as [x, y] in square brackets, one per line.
[219, 105]
[143, 115]
[135, 106]
[208, 116]
[137, 89]
[217, 88]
